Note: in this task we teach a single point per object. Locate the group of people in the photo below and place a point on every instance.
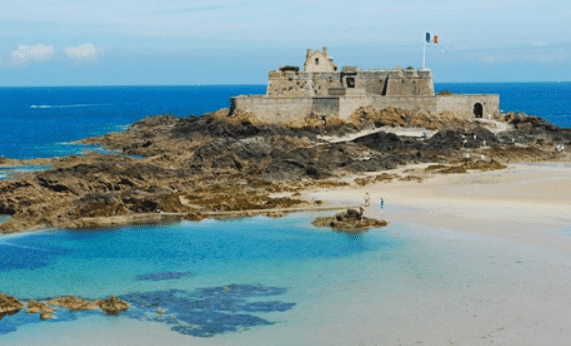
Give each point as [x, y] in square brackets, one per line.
[368, 201]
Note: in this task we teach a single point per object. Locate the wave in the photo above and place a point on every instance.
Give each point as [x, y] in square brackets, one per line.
[22, 246]
[4, 237]
[70, 106]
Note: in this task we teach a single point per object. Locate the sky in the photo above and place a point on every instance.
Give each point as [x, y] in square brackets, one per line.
[187, 42]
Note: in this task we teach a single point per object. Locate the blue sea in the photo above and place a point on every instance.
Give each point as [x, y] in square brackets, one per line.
[42, 121]
[255, 281]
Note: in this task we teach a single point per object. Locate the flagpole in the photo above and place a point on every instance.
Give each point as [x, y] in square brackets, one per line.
[424, 56]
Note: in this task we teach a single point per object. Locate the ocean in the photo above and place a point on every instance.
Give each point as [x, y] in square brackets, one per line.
[254, 281]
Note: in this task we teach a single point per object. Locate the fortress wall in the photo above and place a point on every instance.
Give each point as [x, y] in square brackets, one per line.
[322, 82]
[347, 105]
[377, 82]
[275, 110]
[280, 110]
[289, 84]
[463, 105]
[409, 85]
[371, 81]
[302, 84]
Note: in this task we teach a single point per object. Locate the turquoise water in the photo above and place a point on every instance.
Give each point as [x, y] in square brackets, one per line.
[265, 263]
[277, 282]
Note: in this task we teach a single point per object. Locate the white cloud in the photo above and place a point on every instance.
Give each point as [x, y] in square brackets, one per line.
[83, 51]
[38, 52]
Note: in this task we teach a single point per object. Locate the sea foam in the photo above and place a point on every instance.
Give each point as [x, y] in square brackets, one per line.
[70, 106]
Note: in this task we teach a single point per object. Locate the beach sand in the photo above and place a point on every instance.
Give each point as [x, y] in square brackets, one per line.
[527, 203]
[517, 223]
[485, 260]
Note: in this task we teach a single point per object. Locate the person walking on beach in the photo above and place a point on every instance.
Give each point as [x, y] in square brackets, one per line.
[367, 200]
[382, 203]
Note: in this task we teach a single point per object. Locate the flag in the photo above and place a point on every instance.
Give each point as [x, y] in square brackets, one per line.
[435, 39]
[427, 37]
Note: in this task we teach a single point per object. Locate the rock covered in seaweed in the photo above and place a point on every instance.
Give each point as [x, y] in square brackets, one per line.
[351, 220]
[35, 307]
[9, 305]
[73, 303]
[113, 305]
[45, 311]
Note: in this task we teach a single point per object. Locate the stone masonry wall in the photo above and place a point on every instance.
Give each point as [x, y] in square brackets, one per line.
[410, 83]
[274, 110]
[348, 105]
[289, 84]
[377, 82]
[322, 82]
[463, 105]
[281, 110]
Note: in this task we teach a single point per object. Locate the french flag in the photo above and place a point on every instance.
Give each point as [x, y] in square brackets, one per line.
[434, 38]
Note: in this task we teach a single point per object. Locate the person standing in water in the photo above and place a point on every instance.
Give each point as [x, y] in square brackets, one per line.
[382, 203]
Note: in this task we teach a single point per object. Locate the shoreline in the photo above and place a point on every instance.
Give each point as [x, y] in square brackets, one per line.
[421, 197]
[483, 203]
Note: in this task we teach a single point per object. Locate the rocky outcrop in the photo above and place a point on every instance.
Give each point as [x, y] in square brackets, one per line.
[35, 307]
[9, 305]
[192, 166]
[73, 303]
[113, 305]
[45, 311]
[351, 220]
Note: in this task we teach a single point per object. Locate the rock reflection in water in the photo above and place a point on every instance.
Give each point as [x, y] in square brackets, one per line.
[207, 311]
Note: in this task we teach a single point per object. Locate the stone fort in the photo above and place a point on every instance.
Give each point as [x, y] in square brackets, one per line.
[322, 89]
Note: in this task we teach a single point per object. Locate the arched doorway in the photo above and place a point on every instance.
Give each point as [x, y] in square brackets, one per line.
[478, 110]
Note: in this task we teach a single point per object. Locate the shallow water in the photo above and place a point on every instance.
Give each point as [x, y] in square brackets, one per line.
[281, 281]
[12, 172]
[230, 271]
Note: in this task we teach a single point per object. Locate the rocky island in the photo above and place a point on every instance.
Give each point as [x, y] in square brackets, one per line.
[349, 221]
[172, 168]
[10, 305]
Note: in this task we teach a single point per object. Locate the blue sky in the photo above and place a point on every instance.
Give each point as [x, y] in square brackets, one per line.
[150, 42]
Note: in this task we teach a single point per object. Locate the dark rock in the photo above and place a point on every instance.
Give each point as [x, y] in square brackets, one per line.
[350, 221]
[380, 141]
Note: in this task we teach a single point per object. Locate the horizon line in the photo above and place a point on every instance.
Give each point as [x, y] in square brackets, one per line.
[219, 84]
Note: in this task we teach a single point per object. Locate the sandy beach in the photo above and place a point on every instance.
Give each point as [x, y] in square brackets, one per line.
[517, 223]
[528, 203]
